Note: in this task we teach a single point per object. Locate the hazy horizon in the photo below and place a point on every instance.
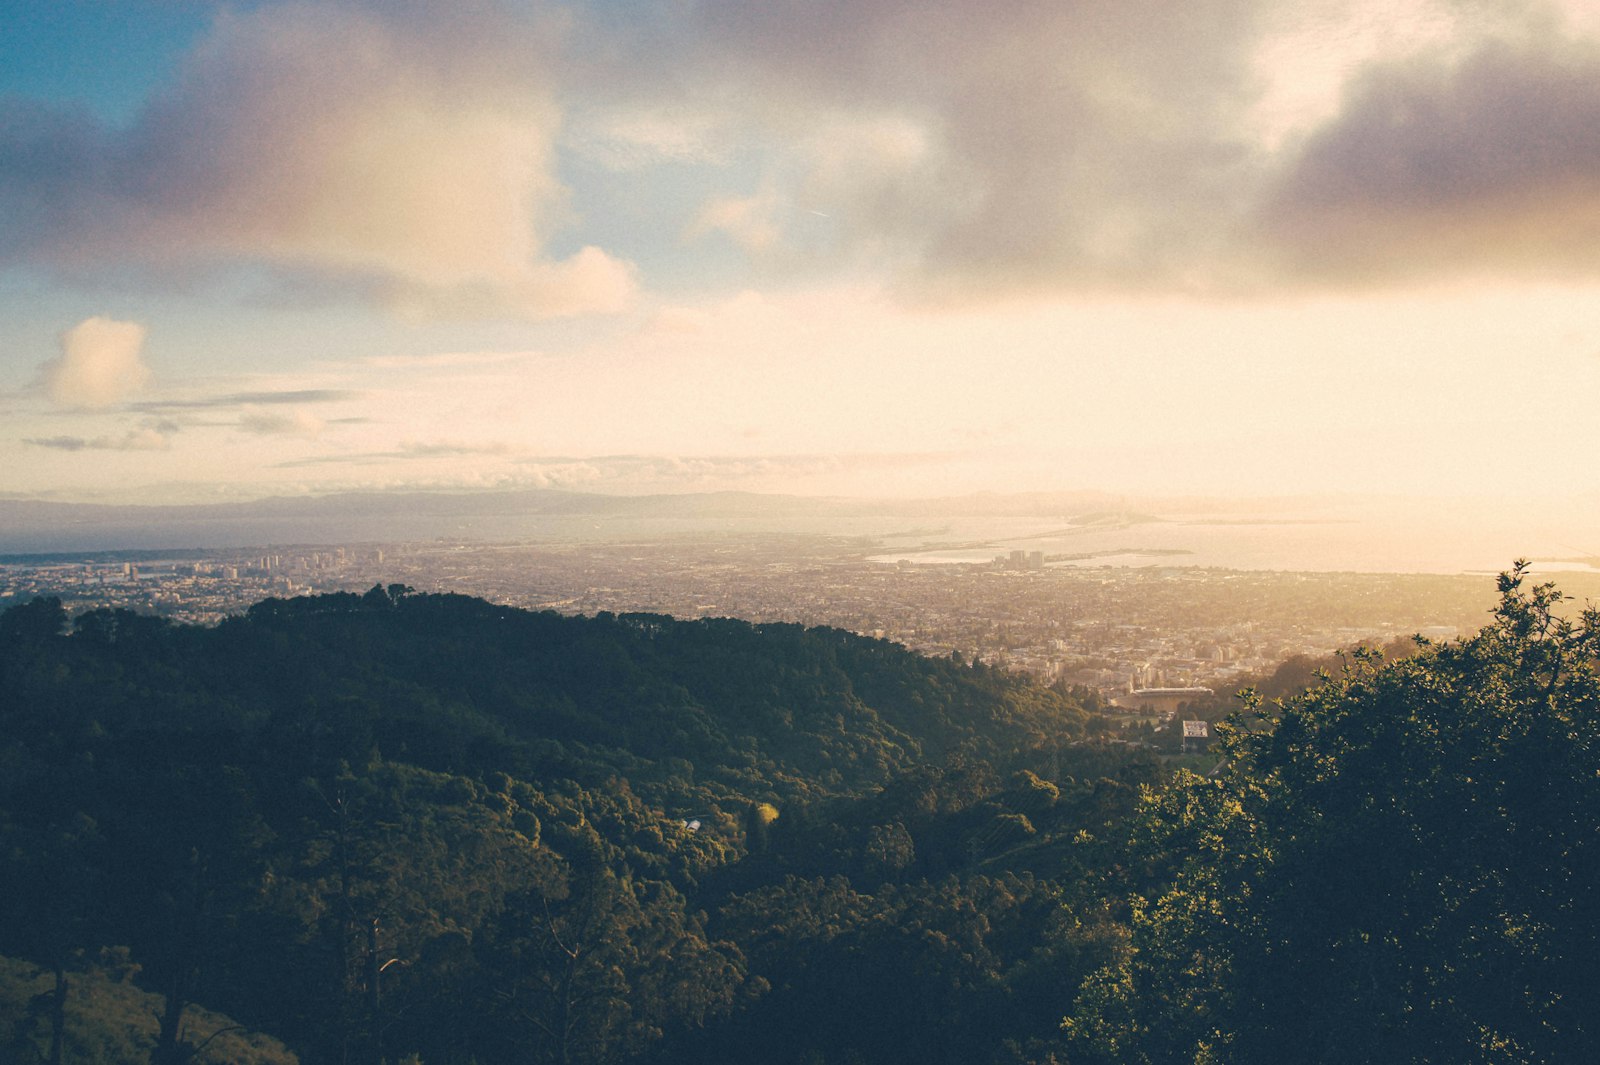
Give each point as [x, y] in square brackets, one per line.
[1226, 250]
[1306, 534]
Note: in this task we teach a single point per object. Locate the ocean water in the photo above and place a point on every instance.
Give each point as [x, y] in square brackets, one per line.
[1427, 541]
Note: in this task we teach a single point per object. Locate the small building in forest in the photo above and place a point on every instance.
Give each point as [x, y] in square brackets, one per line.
[1196, 737]
[1162, 701]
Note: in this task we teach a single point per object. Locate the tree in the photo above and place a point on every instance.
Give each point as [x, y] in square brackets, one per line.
[53, 871]
[1399, 865]
[32, 623]
[759, 818]
[593, 966]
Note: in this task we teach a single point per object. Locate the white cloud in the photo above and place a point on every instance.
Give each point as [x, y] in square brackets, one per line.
[101, 364]
[588, 281]
[148, 438]
[972, 147]
[407, 151]
[419, 155]
[749, 221]
[968, 150]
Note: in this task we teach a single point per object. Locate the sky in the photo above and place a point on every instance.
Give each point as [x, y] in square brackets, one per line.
[827, 247]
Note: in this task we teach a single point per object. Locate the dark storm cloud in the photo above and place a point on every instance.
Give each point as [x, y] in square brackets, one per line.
[1489, 165]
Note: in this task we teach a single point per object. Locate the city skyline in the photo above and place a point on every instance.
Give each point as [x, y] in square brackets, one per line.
[273, 248]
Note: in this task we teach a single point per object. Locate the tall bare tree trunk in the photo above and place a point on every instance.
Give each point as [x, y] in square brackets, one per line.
[169, 1050]
[58, 1015]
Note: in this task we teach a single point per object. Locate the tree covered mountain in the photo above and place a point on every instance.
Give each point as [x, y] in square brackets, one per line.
[1400, 864]
[525, 820]
[429, 829]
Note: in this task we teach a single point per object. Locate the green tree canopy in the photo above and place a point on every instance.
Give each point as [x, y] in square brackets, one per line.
[1401, 864]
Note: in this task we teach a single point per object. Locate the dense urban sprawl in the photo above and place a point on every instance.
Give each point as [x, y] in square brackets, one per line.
[1105, 627]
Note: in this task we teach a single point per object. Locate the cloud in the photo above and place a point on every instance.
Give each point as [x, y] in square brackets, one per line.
[978, 146]
[747, 220]
[408, 148]
[622, 472]
[449, 360]
[408, 451]
[156, 436]
[60, 443]
[587, 282]
[274, 423]
[434, 158]
[100, 364]
[1489, 164]
[638, 135]
[241, 399]
[968, 150]
[647, 473]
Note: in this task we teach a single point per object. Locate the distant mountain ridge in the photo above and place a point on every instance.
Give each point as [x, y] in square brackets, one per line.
[36, 525]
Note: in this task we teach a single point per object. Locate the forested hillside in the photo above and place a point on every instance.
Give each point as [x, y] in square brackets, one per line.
[549, 827]
[428, 829]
